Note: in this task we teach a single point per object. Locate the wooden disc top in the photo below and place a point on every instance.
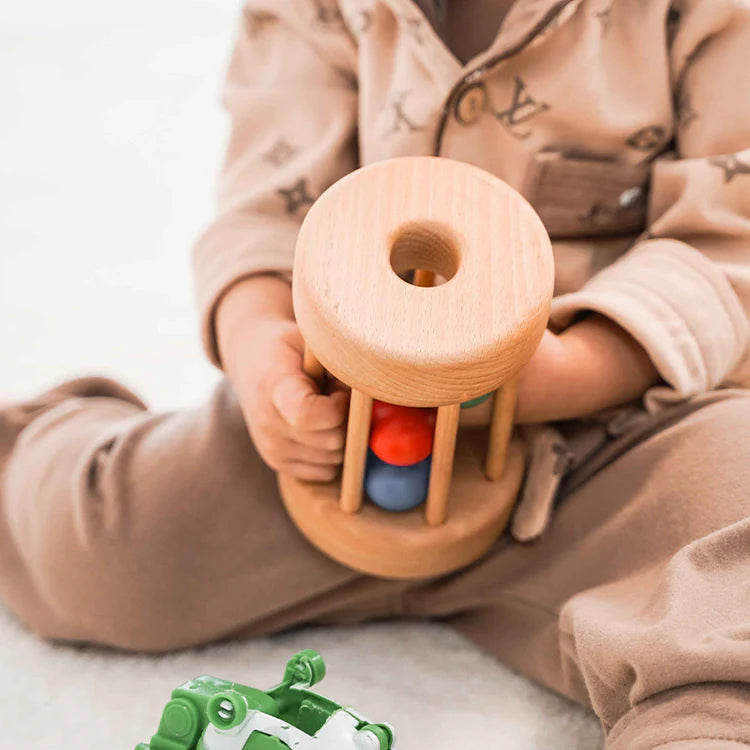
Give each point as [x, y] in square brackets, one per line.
[422, 346]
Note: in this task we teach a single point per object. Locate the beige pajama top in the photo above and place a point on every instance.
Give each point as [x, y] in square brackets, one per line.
[626, 124]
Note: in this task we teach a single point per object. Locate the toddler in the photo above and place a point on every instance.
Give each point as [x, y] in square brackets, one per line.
[626, 124]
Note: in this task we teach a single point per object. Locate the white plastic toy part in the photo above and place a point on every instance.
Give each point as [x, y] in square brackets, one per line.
[338, 733]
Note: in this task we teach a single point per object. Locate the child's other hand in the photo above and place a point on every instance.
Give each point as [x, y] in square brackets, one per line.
[595, 364]
[296, 429]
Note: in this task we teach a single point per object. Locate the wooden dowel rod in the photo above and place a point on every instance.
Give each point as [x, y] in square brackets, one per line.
[443, 451]
[355, 452]
[424, 278]
[501, 429]
[312, 366]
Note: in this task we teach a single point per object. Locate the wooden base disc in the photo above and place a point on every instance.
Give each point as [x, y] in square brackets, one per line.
[402, 545]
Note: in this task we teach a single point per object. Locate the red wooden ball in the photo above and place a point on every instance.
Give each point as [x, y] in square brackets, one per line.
[382, 409]
[403, 438]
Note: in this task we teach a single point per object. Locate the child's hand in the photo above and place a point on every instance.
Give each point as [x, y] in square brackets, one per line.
[296, 429]
[593, 365]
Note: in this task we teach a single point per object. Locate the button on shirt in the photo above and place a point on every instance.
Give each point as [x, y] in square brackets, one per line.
[470, 103]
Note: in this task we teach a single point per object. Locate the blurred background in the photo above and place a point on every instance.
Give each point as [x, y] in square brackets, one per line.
[111, 136]
[110, 141]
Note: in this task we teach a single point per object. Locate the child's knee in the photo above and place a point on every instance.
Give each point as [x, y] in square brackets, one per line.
[120, 519]
[104, 578]
[74, 497]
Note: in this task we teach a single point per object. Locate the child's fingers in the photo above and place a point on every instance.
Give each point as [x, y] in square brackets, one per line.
[311, 455]
[327, 440]
[303, 408]
[309, 472]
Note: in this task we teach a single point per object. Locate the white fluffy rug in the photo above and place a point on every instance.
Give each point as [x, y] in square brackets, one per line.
[438, 691]
[109, 140]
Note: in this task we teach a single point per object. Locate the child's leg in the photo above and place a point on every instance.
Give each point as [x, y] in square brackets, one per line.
[637, 599]
[155, 532]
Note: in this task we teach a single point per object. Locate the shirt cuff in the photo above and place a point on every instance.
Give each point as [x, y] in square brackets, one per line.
[232, 249]
[677, 304]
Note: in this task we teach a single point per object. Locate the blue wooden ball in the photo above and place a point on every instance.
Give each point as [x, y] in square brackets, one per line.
[396, 488]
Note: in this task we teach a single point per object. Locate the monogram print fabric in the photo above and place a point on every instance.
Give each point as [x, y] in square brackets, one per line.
[627, 126]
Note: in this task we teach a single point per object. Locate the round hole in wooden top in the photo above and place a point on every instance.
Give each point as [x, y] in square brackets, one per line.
[425, 247]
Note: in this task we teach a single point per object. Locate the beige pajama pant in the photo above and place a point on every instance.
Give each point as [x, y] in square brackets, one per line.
[156, 532]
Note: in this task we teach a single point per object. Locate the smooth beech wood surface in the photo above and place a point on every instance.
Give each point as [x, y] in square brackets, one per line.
[501, 427]
[422, 345]
[443, 449]
[355, 452]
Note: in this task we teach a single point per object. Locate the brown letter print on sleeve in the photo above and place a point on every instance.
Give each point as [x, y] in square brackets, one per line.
[401, 120]
[280, 153]
[731, 165]
[296, 196]
[522, 109]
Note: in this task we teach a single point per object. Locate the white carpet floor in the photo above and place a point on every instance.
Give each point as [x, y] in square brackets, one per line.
[110, 135]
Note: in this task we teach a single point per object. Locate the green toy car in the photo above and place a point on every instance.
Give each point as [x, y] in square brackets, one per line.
[212, 714]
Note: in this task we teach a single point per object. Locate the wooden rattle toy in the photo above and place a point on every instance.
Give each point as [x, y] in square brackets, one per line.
[424, 284]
